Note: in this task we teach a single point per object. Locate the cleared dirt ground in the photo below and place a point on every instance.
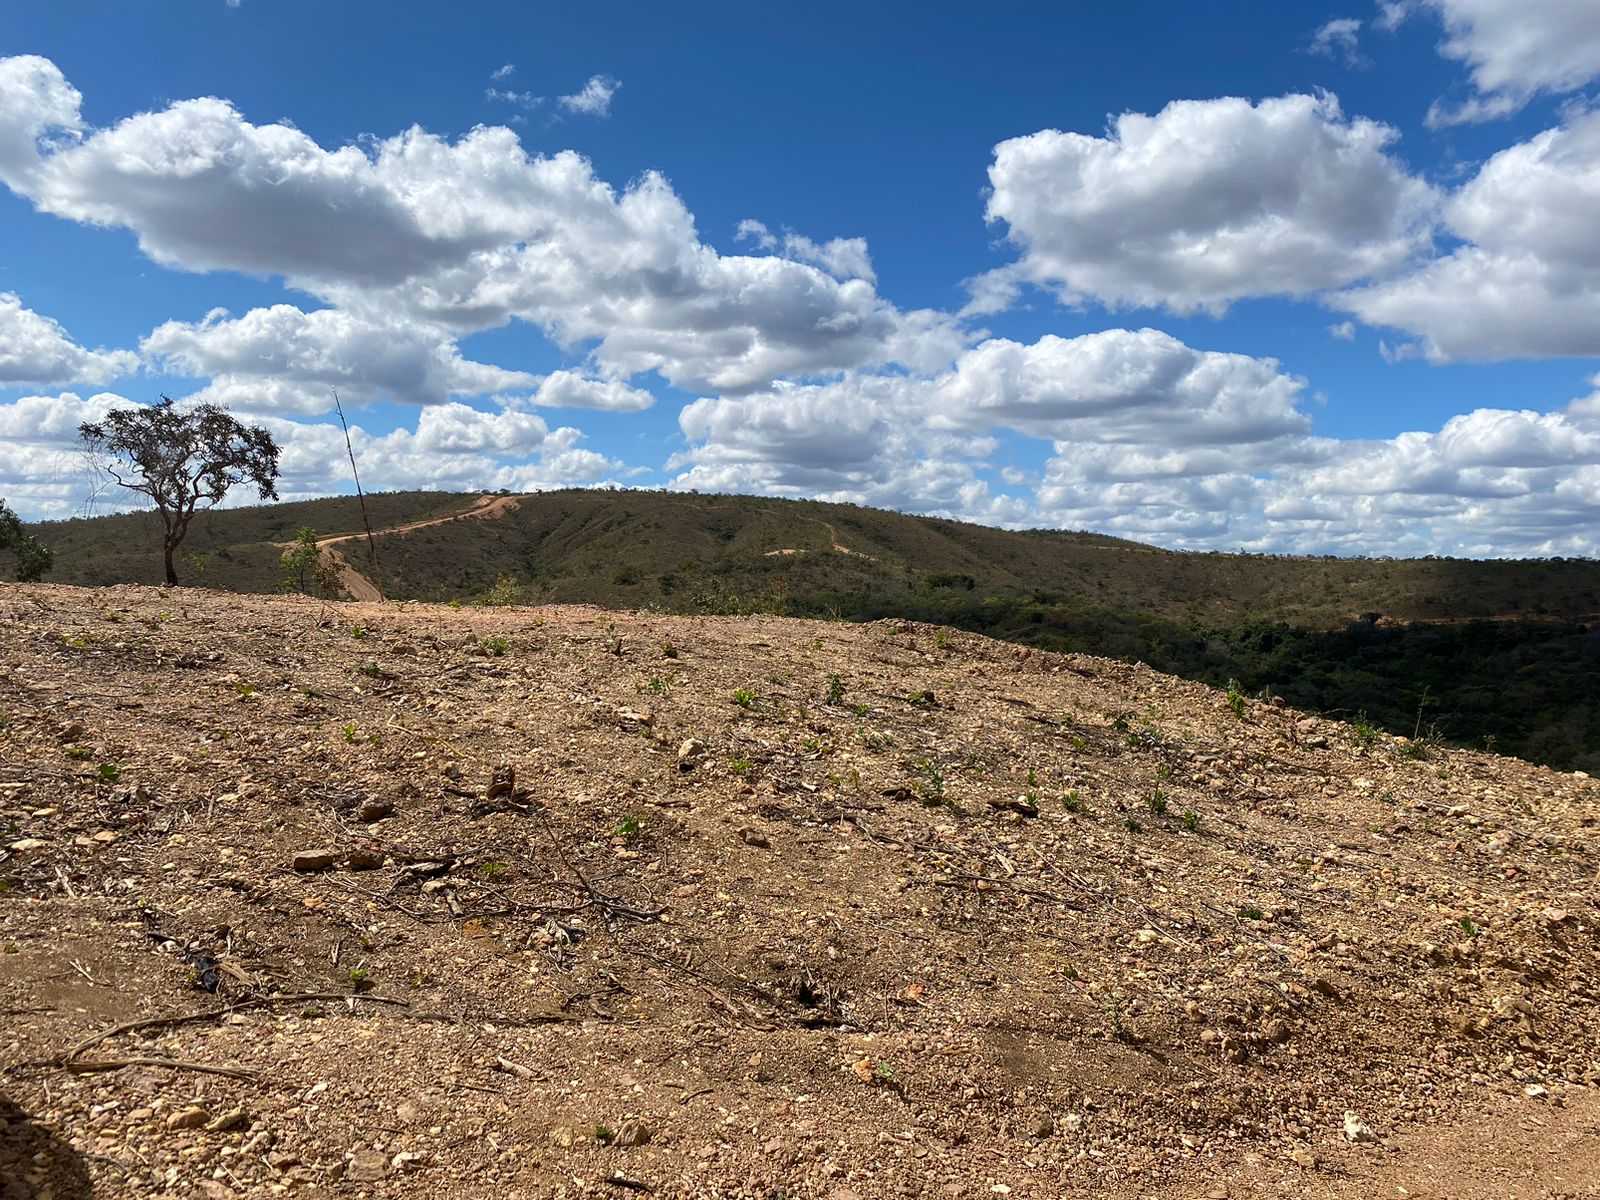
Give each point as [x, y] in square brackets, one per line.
[560, 902]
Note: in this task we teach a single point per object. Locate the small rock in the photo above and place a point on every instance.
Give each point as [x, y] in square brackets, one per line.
[363, 859]
[1536, 1091]
[231, 1119]
[27, 844]
[754, 837]
[1556, 916]
[1355, 1130]
[1042, 1128]
[408, 1160]
[1303, 1157]
[72, 732]
[632, 1133]
[1016, 804]
[192, 1117]
[367, 1166]
[563, 1136]
[1073, 1122]
[374, 810]
[310, 861]
[502, 783]
[629, 716]
[689, 753]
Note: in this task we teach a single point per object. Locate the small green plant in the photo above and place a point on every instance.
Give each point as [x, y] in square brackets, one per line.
[496, 646]
[628, 829]
[1072, 802]
[371, 669]
[1236, 699]
[1249, 912]
[668, 650]
[348, 730]
[493, 870]
[360, 979]
[245, 690]
[744, 697]
[923, 699]
[1366, 734]
[604, 1135]
[658, 686]
[835, 690]
[1470, 928]
[1158, 803]
[505, 592]
[1416, 750]
[930, 782]
[79, 753]
[873, 740]
[941, 640]
[741, 766]
[861, 710]
[1133, 826]
[359, 632]
[1191, 820]
[108, 772]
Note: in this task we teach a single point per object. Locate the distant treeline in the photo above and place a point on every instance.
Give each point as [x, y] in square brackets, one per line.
[1527, 688]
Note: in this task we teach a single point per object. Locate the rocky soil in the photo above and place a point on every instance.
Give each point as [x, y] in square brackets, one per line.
[394, 900]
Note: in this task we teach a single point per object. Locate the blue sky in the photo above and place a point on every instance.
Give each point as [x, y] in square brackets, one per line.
[1341, 312]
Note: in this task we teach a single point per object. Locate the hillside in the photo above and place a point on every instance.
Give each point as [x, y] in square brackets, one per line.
[477, 902]
[1502, 654]
[645, 549]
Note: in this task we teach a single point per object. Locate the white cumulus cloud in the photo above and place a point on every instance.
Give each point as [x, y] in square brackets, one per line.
[594, 98]
[35, 349]
[1207, 202]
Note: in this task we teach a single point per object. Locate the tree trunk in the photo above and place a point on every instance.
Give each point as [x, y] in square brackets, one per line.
[172, 575]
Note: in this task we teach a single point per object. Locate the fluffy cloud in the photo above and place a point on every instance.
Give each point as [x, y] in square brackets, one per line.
[1157, 441]
[594, 98]
[42, 470]
[1339, 38]
[1206, 202]
[35, 350]
[1526, 282]
[918, 443]
[463, 235]
[572, 389]
[1513, 49]
[294, 359]
[843, 258]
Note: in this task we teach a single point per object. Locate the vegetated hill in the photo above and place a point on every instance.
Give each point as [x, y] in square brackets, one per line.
[488, 901]
[667, 549]
[1482, 652]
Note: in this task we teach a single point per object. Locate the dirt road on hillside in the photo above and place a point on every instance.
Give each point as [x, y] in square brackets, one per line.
[359, 586]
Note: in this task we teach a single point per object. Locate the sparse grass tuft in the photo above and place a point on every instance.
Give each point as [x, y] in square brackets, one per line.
[1236, 700]
[835, 690]
[744, 697]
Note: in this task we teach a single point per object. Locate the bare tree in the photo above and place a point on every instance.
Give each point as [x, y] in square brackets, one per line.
[185, 460]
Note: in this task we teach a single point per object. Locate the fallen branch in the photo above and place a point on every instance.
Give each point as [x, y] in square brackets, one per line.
[82, 1066]
[215, 1014]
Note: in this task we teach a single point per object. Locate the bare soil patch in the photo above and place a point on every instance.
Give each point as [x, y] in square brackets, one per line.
[561, 902]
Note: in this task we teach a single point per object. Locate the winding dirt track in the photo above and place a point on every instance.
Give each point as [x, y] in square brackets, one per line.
[359, 586]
